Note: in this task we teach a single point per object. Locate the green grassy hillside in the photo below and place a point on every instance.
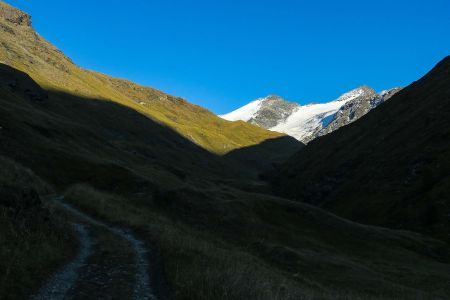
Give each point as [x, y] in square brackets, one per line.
[22, 48]
[215, 238]
[135, 165]
[390, 168]
[77, 139]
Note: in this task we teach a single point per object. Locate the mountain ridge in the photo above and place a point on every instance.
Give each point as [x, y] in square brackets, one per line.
[309, 121]
[14, 15]
[24, 49]
[123, 155]
[388, 168]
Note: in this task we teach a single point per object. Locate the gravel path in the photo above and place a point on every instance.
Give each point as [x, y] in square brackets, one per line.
[58, 287]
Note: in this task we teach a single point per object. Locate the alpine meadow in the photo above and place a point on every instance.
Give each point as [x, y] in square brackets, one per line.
[110, 189]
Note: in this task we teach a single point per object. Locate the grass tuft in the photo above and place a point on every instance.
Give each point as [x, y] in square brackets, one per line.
[32, 238]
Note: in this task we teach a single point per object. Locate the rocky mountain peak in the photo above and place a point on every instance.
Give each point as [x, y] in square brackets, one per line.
[307, 122]
[276, 101]
[273, 98]
[14, 16]
[265, 112]
[273, 109]
[364, 90]
[355, 108]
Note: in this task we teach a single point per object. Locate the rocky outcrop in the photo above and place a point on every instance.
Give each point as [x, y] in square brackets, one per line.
[356, 108]
[14, 16]
[273, 110]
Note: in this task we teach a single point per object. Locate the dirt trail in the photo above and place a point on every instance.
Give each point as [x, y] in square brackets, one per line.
[111, 264]
[58, 286]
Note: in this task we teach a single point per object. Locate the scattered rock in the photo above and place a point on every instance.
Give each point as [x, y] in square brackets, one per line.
[14, 15]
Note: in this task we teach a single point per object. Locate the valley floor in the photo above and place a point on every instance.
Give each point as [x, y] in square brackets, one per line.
[215, 243]
[161, 197]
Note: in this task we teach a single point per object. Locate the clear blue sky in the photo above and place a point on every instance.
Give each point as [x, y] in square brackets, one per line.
[222, 54]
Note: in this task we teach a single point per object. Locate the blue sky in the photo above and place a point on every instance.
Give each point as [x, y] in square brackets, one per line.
[222, 54]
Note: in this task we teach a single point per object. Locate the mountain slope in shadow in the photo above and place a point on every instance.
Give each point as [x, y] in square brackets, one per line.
[391, 167]
[135, 169]
[128, 165]
[142, 174]
[24, 49]
[66, 138]
[267, 154]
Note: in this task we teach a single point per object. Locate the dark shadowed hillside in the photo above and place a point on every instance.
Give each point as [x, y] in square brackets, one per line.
[77, 138]
[267, 154]
[24, 49]
[143, 173]
[122, 167]
[33, 240]
[390, 168]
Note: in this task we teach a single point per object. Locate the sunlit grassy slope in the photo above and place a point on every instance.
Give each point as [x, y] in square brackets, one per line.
[22, 48]
[219, 236]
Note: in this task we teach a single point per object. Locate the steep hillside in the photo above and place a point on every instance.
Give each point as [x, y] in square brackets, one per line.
[140, 174]
[81, 139]
[22, 48]
[307, 122]
[265, 156]
[391, 167]
[355, 109]
[213, 231]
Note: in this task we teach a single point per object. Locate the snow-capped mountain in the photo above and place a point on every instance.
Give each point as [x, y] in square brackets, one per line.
[265, 112]
[355, 109]
[306, 122]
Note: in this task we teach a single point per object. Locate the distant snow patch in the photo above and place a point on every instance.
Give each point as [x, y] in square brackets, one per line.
[245, 113]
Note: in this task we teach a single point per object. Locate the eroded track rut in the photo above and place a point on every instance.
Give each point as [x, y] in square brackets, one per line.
[111, 264]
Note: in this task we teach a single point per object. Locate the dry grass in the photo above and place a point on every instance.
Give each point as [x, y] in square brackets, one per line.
[23, 49]
[201, 265]
[31, 238]
[198, 266]
[216, 242]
